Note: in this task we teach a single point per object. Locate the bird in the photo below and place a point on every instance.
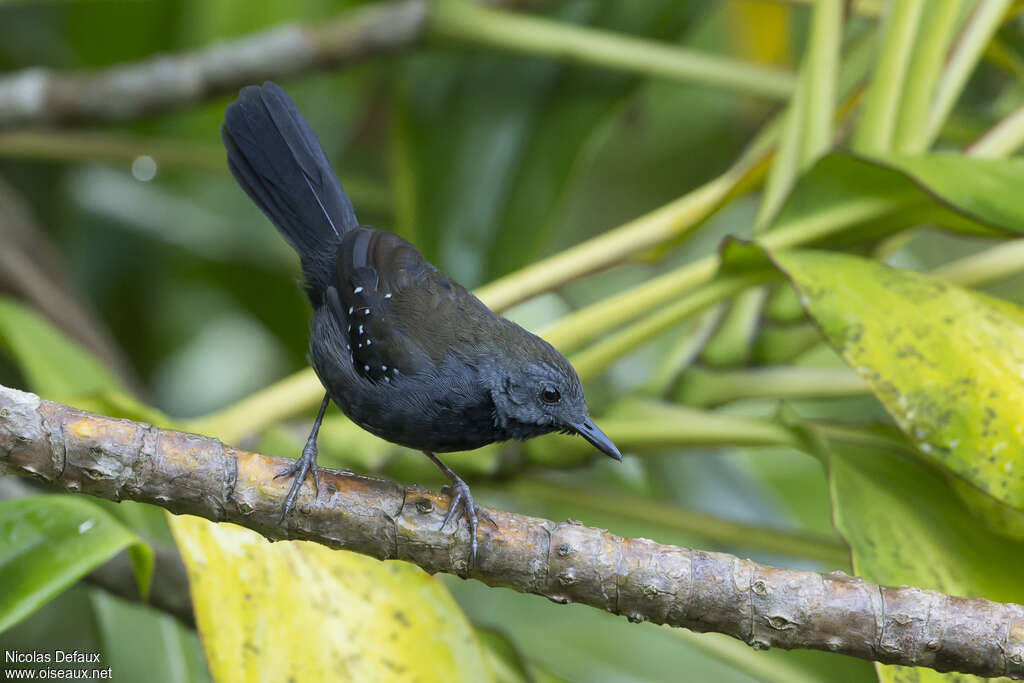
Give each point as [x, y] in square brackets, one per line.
[404, 351]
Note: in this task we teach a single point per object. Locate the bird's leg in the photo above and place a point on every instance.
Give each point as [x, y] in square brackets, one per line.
[461, 499]
[301, 467]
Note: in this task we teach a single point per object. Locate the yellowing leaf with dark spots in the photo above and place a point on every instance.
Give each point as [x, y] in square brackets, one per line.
[297, 611]
[947, 363]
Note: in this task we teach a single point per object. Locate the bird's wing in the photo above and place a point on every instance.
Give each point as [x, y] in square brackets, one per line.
[401, 314]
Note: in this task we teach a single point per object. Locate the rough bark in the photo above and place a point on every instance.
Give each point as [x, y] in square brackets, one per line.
[567, 562]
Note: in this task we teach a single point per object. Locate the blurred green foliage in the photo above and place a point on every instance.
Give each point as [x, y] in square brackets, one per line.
[177, 298]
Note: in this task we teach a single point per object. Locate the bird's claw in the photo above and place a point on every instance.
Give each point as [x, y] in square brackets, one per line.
[300, 468]
[462, 500]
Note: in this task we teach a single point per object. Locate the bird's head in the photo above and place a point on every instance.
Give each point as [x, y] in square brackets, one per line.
[542, 393]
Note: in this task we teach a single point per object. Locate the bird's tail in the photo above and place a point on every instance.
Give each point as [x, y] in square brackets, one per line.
[277, 159]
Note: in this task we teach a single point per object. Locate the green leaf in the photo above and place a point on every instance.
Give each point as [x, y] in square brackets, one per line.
[60, 369]
[905, 526]
[302, 612]
[884, 194]
[162, 650]
[66, 622]
[54, 366]
[987, 190]
[947, 363]
[47, 543]
[507, 661]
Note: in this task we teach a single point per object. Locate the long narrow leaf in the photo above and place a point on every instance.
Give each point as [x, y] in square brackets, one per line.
[49, 542]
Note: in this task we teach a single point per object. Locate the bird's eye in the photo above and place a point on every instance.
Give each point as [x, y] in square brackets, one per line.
[550, 395]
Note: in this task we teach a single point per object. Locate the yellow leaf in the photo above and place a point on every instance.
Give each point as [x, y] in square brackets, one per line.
[297, 611]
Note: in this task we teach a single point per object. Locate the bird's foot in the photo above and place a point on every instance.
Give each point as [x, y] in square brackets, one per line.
[301, 468]
[462, 500]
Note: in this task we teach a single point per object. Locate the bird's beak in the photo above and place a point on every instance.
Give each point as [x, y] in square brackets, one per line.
[589, 431]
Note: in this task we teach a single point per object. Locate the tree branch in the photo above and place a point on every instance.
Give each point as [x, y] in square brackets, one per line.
[566, 562]
[175, 81]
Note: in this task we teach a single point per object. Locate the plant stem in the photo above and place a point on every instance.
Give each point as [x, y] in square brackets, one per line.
[123, 148]
[968, 50]
[644, 425]
[665, 223]
[870, 8]
[292, 395]
[590, 322]
[1002, 140]
[460, 20]
[877, 125]
[586, 324]
[702, 387]
[733, 341]
[937, 30]
[598, 357]
[809, 117]
[785, 166]
[682, 353]
[820, 75]
[116, 147]
[1001, 260]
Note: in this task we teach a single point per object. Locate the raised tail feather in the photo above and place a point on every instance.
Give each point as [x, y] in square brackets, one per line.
[277, 159]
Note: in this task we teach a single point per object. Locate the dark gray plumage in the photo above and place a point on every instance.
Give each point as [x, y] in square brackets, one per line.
[405, 352]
